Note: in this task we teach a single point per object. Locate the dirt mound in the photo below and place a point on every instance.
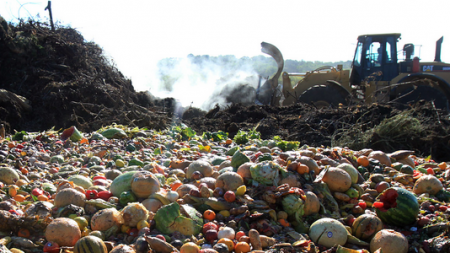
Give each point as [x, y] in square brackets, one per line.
[388, 127]
[57, 79]
[68, 81]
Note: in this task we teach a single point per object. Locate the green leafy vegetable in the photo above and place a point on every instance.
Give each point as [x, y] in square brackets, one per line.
[242, 137]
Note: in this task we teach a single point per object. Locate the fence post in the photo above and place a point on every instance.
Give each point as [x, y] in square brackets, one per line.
[49, 8]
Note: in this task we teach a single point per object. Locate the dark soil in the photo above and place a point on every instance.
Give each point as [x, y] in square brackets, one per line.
[67, 81]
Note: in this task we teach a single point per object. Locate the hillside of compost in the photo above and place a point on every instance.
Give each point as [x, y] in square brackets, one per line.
[57, 79]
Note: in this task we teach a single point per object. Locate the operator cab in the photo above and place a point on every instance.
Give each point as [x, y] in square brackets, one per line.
[375, 57]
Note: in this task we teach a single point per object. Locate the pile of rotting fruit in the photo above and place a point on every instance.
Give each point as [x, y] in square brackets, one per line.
[123, 189]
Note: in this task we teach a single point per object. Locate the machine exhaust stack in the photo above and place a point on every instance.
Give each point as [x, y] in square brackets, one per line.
[437, 56]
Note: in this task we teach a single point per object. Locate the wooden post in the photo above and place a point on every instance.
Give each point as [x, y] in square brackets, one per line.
[49, 8]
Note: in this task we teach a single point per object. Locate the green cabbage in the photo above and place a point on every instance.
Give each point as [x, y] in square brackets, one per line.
[292, 203]
[266, 172]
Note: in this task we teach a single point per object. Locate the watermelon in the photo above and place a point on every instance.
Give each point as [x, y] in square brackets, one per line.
[399, 207]
[122, 183]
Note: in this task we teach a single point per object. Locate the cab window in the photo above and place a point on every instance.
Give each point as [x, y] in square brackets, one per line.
[357, 59]
[374, 55]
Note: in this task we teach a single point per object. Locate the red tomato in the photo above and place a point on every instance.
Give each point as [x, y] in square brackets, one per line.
[51, 247]
[91, 194]
[430, 171]
[105, 195]
[378, 204]
[133, 232]
[239, 235]
[37, 192]
[362, 204]
[101, 182]
[99, 177]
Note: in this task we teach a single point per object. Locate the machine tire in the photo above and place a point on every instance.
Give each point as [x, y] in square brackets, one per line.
[323, 95]
[424, 92]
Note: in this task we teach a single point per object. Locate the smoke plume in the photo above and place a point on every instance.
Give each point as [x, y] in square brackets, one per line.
[203, 81]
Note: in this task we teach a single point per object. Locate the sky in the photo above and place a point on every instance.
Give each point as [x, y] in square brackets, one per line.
[137, 34]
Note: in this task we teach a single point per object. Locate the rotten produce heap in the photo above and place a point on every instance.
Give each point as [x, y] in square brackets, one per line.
[123, 189]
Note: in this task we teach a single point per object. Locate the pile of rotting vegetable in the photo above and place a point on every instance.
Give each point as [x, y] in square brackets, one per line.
[123, 189]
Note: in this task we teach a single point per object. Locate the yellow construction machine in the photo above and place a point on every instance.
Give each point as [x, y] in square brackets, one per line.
[377, 75]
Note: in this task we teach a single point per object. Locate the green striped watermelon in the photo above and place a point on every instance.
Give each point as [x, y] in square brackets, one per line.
[400, 207]
[90, 244]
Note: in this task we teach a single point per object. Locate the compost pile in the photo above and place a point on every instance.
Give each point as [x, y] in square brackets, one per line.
[88, 163]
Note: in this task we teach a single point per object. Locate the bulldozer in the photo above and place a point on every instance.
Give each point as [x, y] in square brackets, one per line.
[377, 75]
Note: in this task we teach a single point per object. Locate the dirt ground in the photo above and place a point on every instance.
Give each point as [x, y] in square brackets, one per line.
[56, 79]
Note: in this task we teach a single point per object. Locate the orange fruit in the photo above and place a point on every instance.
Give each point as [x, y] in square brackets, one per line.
[302, 169]
[228, 242]
[284, 223]
[242, 247]
[12, 190]
[19, 198]
[363, 161]
[42, 198]
[21, 182]
[175, 185]
[142, 224]
[24, 171]
[23, 232]
[209, 215]
[189, 247]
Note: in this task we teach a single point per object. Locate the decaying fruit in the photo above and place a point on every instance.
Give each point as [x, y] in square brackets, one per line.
[338, 180]
[81, 181]
[202, 166]
[427, 184]
[244, 171]
[69, 196]
[397, 207]
[63, 231]
[381, 157]
[152, 205]
[122, 248]
[90, 244]
[389, 241]
[229, 181]
[8, 175]
[350, 170]
[133, 213]
[104, 219]
[312, 204]
[366, 226]
[328, 232]
[144, 183]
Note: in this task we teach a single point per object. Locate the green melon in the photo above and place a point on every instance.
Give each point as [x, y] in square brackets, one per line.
[90, 244]
[238, 159]
[122, 183]
[80, 180]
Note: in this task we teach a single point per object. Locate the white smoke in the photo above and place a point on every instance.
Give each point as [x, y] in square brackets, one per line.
[200, 81]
